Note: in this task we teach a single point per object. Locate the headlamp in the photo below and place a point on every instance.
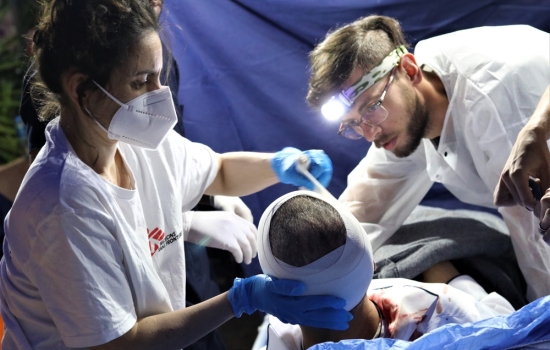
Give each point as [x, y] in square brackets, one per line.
[336, 107]
[340, 104]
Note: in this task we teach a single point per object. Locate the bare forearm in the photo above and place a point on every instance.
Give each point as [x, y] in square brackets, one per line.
[243, 173]
[177, 329]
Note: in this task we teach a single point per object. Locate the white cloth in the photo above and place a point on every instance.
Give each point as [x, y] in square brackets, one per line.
[411, 309]
[83, 258]
[494, 78]
[350, 265]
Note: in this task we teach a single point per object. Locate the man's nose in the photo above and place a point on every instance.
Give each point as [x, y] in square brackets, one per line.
[370, 132]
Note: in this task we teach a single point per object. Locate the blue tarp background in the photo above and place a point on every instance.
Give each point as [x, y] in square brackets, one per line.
[244, 70]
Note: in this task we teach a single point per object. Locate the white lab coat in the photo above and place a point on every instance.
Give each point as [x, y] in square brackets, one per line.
[494, 78]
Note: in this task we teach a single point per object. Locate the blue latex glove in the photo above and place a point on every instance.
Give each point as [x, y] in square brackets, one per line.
[282, 299]
[284, 165]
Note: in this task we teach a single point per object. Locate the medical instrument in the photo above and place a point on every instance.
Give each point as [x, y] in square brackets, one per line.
[284, 163]
[302, 165]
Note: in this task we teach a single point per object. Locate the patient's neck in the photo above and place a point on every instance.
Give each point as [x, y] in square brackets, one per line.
[363, 326]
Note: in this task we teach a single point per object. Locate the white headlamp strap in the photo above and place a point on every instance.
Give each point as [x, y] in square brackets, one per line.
[373, 76]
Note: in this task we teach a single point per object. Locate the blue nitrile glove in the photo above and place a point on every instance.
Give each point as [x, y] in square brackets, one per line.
[284, 165]
[281, 298]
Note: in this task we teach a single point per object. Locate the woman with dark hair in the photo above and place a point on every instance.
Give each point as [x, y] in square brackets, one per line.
[93, 254]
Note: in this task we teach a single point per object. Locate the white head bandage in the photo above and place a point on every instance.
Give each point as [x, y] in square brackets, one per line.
[346, 272]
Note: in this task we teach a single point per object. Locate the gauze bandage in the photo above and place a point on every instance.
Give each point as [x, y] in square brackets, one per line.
[346, 272]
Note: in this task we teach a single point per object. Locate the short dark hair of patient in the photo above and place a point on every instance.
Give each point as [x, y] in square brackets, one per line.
[305, 229]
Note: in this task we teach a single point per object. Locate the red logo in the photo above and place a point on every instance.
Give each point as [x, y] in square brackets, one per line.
[155, 238]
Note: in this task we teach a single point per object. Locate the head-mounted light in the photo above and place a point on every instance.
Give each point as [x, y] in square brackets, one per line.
[340, 104]
[336, 107]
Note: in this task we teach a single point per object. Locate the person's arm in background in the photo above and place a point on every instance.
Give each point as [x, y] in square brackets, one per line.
[529, 157]
[532, 253]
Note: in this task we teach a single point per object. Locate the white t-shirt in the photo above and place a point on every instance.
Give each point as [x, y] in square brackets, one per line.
[83, 258]
[494, 78]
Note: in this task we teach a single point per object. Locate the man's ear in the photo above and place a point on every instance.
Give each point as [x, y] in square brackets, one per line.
[71, 82]
[411, 68]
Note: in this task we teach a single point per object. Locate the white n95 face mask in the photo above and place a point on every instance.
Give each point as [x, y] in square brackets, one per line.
[144, 121]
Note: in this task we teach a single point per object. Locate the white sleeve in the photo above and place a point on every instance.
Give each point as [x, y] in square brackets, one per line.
[532, 253]
[78, 268]
[199, 168]
[496, 113]
[494, 135]
[383, 190]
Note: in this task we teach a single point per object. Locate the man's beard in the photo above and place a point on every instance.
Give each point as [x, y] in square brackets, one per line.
[416, 129]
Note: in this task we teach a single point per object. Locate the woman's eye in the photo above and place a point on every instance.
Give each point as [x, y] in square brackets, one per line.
[138, 84]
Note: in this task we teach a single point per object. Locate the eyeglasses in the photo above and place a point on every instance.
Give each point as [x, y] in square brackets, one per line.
[374, 115]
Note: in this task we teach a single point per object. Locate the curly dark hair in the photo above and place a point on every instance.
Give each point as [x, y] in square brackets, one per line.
[93, 37]
[363, 43]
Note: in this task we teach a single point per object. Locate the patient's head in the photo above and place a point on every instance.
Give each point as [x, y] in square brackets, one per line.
[305, 229]
[302, 236]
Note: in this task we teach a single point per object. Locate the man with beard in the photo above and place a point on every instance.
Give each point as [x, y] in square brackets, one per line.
[462, 97]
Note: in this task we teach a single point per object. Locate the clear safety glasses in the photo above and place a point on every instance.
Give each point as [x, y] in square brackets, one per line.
[374, 115]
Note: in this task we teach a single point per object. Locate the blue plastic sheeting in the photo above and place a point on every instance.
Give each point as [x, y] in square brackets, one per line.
[244, 70]
[527, 326]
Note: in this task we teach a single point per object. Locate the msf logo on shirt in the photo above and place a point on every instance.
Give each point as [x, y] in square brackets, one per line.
[158, 240]
[156, 236]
